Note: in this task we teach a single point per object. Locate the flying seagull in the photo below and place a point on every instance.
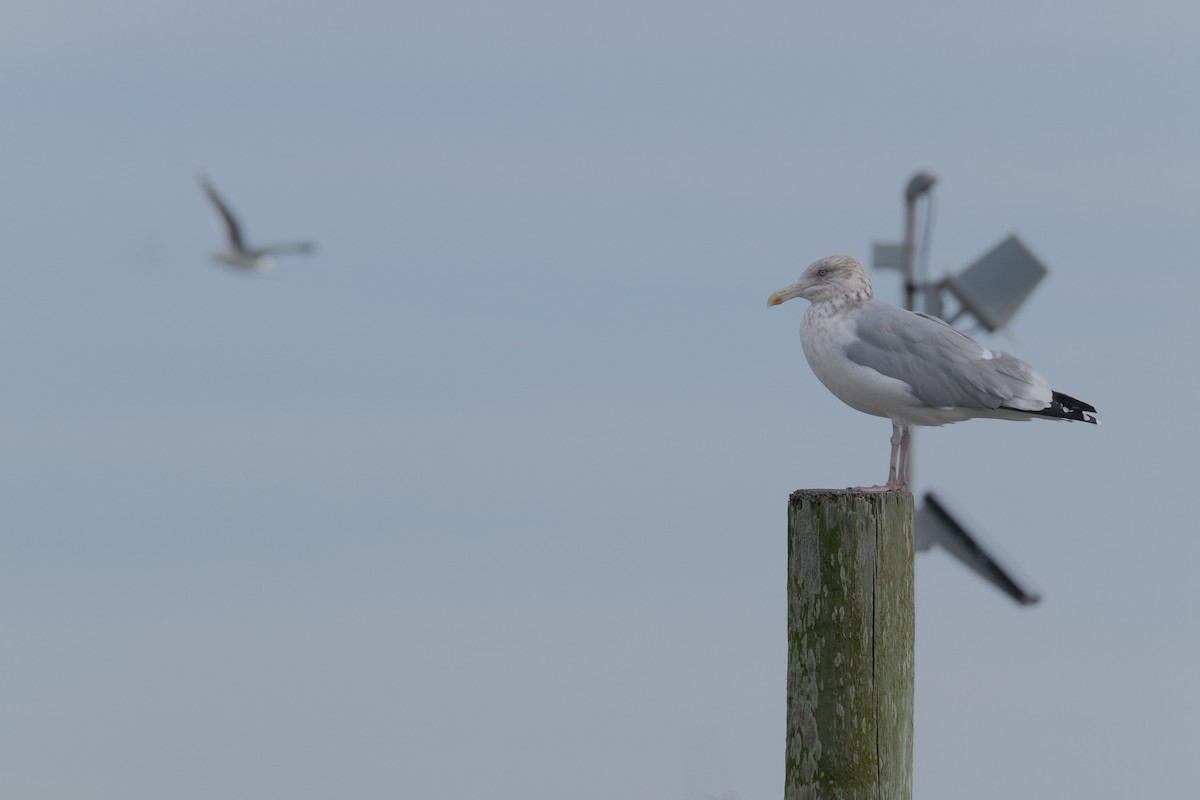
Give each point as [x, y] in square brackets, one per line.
[238, 254]
[909, 367]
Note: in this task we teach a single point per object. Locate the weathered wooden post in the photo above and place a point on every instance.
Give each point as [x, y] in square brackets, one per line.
[850, 646]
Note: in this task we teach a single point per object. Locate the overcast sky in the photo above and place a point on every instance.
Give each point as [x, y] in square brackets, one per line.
[487, 498]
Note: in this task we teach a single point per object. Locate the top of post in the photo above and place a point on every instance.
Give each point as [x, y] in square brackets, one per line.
[819, 495]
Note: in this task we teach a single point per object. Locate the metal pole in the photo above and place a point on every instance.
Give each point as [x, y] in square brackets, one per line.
[918, 185]
[910, 250]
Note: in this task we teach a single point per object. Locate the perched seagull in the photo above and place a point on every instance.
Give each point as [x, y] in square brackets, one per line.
[911, 368]
[253, 259]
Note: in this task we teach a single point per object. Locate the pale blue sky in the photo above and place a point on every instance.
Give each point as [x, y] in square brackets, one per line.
[487, 498]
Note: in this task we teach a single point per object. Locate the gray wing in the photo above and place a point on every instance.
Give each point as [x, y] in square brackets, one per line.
[288, 247]
[231, 224]
[944, 367]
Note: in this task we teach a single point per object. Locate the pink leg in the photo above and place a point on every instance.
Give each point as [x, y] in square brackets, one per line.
[905, 445]
[897, 463]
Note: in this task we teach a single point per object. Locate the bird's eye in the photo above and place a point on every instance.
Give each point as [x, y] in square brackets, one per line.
[822, 271]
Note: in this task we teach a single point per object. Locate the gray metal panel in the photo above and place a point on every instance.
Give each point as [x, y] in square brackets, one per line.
[887, 255]
[995, 286]
[935, 523]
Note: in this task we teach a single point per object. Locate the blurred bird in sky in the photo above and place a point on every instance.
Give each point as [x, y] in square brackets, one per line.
[238, 254]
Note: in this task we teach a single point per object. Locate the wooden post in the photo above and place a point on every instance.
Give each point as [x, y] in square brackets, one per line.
[850, 646]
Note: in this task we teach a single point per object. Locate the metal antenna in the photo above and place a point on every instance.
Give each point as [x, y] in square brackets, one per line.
[990, 290]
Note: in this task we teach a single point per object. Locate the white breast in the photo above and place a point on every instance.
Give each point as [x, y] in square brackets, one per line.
[825, 334]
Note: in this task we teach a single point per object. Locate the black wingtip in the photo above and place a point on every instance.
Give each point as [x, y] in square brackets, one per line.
[1063, 406]
[1071, 408]
[1067, 401]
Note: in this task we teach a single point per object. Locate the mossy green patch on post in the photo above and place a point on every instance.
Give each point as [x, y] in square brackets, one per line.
[850, 646]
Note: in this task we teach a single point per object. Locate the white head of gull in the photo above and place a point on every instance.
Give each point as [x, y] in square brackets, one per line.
[912, 368]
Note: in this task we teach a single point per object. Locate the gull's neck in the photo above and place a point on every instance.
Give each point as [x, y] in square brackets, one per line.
[840, 304]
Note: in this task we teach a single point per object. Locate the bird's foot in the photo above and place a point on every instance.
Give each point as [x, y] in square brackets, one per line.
[890, 486]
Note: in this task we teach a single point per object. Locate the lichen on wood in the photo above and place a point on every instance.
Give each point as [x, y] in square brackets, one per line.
[850, 645]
